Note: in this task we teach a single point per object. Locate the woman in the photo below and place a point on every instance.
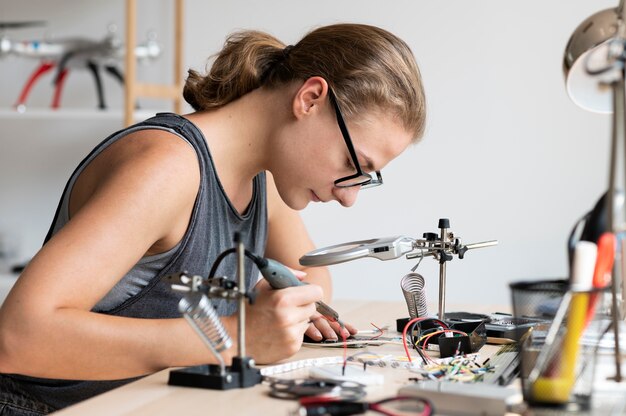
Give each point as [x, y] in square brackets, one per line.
[166, 195]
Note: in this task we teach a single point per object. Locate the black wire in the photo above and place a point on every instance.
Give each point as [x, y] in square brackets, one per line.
[259, 261]
[420, 333]
[415, 346]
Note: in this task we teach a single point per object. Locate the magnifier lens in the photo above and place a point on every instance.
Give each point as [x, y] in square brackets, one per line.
[339, 249]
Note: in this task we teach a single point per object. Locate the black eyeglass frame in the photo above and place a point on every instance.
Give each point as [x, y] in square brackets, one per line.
[367, 180]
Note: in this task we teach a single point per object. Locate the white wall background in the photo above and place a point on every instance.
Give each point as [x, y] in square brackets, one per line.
[506, 154]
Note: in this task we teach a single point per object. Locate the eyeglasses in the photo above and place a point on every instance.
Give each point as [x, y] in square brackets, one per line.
[360, 178]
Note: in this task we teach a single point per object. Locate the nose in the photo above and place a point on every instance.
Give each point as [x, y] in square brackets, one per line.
[346, 196]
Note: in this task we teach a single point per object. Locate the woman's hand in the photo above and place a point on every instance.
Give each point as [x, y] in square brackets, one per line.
[321, 328]
[276, 322]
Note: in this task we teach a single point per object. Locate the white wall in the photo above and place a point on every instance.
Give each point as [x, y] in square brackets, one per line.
[506, 154]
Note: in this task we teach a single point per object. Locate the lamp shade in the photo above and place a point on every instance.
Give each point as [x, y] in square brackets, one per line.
[588, 47]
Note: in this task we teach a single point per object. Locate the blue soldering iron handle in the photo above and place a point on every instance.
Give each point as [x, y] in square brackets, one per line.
[279, 276]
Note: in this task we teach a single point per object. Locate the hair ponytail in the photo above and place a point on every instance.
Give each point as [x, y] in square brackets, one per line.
[366, 66]
[238, 69]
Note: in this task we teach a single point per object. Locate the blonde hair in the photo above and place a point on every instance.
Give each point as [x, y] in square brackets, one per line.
[367, 67]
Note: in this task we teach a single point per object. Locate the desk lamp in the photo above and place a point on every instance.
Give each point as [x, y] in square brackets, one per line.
[593, 66]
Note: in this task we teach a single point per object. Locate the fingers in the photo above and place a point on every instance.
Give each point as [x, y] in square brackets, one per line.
[339, 330]
[314, 333]
[287, 307]
[298, 295]
[350, 328]
[276, 324]
[321, 328]
[298, 273]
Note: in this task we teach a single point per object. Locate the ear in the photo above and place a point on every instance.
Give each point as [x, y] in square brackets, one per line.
[310, 97]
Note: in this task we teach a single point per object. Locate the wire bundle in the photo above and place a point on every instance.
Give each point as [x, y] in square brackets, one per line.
[460, 369]
[420, 340]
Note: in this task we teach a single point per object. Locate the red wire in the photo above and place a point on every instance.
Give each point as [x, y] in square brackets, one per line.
[378, 405]
[380, 329]
[345, 347]
[344, 339]
[406, 328]
[317, 399]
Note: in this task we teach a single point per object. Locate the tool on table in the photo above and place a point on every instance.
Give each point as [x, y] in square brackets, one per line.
[604, 217]
[400, 405]
[602, 271]
[556, 388]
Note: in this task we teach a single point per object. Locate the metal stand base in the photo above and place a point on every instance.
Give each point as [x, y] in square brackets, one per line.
[241, 374]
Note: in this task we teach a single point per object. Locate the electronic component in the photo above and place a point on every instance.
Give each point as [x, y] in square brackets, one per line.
[507, 326]
[291, 389]
[465, 399]
[351, 373]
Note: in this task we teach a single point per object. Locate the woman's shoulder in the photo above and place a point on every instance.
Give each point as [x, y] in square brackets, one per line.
[149, 162]
[152, 147]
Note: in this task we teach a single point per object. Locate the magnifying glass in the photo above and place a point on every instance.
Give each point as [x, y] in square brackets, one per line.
[385, 248]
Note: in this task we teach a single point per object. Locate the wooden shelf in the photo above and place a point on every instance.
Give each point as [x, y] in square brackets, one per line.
[132, 88]
[74, 113]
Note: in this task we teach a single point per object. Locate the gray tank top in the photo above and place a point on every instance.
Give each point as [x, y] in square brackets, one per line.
[141, 293]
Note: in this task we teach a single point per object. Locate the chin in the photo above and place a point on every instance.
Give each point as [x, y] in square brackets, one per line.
[300, 205]
[296, 204]
[293, 199]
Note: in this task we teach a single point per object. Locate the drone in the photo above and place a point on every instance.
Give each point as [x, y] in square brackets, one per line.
[72, 53]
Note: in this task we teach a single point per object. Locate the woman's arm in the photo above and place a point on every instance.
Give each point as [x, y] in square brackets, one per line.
[143, 194]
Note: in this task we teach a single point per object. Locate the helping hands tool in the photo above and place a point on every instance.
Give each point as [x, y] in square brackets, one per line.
[203, 318]
[276, 274]
[442, 247]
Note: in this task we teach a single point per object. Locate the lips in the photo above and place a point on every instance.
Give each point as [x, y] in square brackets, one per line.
[314, 197]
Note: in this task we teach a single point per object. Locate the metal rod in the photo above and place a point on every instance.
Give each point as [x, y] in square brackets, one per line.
[617, 134]
[429, 252]
[442, 277]
[422, 253]
[482, 244]
[241, 282]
